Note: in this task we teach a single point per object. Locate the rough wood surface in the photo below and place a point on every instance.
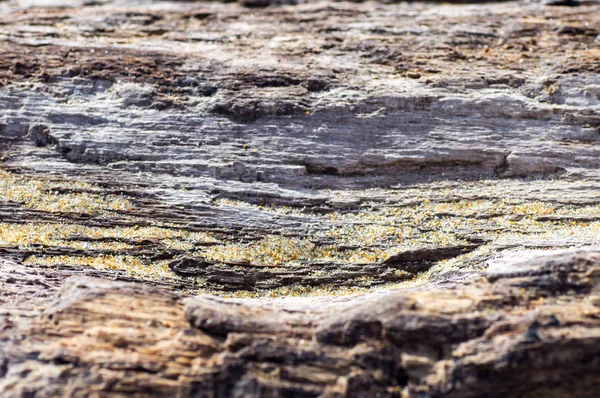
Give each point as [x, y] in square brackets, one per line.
[524, 328]
[325, 199]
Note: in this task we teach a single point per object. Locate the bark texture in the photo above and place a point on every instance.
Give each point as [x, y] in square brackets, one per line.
[322, 199]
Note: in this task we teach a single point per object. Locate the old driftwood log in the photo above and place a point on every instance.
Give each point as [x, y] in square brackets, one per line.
[321, 199]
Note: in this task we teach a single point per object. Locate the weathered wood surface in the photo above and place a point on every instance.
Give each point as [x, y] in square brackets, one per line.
[420, 155]
[522, 329]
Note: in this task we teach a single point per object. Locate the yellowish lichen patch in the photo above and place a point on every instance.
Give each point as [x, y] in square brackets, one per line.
[52, 197]
[131, 265]
[322, 290]
[272, 250]
[367, 234]
[66, 235]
